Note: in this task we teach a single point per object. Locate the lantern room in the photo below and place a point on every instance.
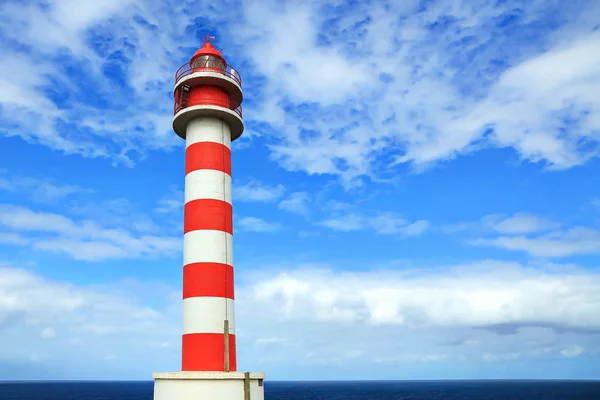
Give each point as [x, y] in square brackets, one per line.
[207, 58]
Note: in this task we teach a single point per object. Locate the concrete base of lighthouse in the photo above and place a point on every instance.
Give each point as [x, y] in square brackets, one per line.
[208, 386]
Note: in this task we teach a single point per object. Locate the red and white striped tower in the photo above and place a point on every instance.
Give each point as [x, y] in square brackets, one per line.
[208, 115]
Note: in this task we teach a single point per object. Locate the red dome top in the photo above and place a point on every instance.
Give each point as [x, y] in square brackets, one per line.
[207, 49]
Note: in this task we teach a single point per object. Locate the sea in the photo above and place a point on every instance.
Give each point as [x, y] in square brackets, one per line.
[347, 390]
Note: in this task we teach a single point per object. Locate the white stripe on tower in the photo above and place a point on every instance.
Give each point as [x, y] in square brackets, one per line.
[204, 246]
[207, 130]
[207, 248]
[212, 310]
[207, 184]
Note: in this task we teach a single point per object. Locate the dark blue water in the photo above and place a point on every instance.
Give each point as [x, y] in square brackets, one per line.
[439, 390]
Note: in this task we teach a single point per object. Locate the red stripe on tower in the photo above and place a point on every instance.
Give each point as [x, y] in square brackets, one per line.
[207, 214]
[204, 352]
[208, 280]
[208, 155]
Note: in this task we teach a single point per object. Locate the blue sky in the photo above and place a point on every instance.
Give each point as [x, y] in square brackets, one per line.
[416, 193]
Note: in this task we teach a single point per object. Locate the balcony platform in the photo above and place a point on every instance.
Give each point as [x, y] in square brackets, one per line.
[214, 78]
[232, 117]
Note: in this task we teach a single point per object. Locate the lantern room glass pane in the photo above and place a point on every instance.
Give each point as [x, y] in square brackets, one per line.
[208, 62]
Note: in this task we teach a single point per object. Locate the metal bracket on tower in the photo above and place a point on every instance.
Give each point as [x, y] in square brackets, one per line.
[226, 336]
[184, 95]
[247, 386]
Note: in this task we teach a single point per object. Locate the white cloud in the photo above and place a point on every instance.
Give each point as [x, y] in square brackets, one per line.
[415, 229]
[578, 240]
[485, 311]
[533, 234]
[382, 223]
[524, 223]
[295, 55]
[388, 224]
[271, 340]
[347, 223]
[520, 222]
[253, 224]
[501, 357]
[296, 203]
[306, 234]
[171, 203]
[118, 36]
[526, 108]
[257, 191]
[320, 316]
[337, 95]
[120, 212]
[391, 62]
[56, 318]
[13, 238]
[479, 295]
[545, 89]
[82, 239]
[48, 333]
[37, 189]
[418, 358]
[572, 351]
[61, 24]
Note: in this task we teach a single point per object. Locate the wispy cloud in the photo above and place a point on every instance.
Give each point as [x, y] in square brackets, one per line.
[13, 239]
[348, 223]
[347, 85]
[257, 191]
[296, 203]
[513, 295]
[530, 233]
[39, 189]
[171, 203]
[116, 46]
[56, 319]
[572, 351]
[384, 101]
[524, 223]
[81, 239]
[253, 224]
[520, 222]
[561, 243]
[381, 222]
[465, 303]
[446, 313]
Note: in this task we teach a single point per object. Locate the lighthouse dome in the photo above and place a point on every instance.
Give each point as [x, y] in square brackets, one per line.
[208, 56]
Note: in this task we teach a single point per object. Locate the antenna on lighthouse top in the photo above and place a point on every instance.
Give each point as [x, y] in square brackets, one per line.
[208, 38]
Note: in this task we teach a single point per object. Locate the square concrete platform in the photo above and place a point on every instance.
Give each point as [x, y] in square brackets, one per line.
[208, 385]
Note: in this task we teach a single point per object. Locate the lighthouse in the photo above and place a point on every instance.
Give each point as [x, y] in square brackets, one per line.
[208, 116]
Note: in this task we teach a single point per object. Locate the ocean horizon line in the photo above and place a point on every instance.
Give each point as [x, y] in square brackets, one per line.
[317, 380]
